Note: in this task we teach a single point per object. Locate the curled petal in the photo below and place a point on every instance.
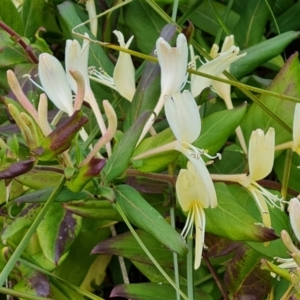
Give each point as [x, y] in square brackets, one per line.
[183, 116]
[54, 82]
[261, 153]
[214, 67]
[173, 64]
[124, 73]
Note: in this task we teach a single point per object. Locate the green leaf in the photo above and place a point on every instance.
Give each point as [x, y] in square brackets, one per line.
[244, 276]
[261, 53]
[96, 209]
[118, 162]
[144, 23]
[75, 267]
[279, 221]
[217, 127]
[157, 162]
[32, 16]
[141, 214]
[11, 17]
[40, 177]
[151, 291]
[204, 17]
[57, 232]
[237, 224]
[251, 26]
[288, 20]
[23, 220]
[286, 83]
[126, 245]
[41, 196]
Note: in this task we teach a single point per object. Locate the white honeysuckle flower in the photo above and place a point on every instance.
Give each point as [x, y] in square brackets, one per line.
[173, 64]
[296, 129]
[124, 72]
[214, 67]
[173, 71]
[76, 57]
[221, 88]
[193, 198]
[123, 80]
[294, 210]
[54, 82]
[184, 119]
[260, 160]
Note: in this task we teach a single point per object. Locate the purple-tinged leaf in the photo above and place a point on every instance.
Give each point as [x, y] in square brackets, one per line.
[57, 232]
[16, 169]
[244, 278]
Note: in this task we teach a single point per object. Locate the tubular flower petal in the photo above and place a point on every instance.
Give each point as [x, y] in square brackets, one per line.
[173, 64]
[296, 129]
[193, 197]
[183, 116]
[294, 210]
[261, 157]
[221, 88]
[124, 73]
[76, 57]
[261, 153]
[54, 82]
[184, 119]
[214, 67]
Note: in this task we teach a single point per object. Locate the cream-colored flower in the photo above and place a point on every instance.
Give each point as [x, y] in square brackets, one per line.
[193, 198]
[123, 80]
[184, 120]
[173, 64]
[215, 67]
[260, 159]
[54, 82]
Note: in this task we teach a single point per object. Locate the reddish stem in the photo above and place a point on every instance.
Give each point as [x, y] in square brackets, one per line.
[19, 40]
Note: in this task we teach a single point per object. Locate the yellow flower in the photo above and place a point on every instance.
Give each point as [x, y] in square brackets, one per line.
[193, 197]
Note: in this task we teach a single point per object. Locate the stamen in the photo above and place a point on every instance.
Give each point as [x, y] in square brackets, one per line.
[33, 82]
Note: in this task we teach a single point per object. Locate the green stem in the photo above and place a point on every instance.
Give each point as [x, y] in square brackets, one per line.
[175, 256]
[17, 253]
[286, 173]
[175, 9]
[22, 295]
[189, 264]
[151, 257]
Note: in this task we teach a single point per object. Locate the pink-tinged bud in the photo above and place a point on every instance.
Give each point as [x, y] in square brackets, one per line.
[85, 174]
[60, 139]
[17, 169]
